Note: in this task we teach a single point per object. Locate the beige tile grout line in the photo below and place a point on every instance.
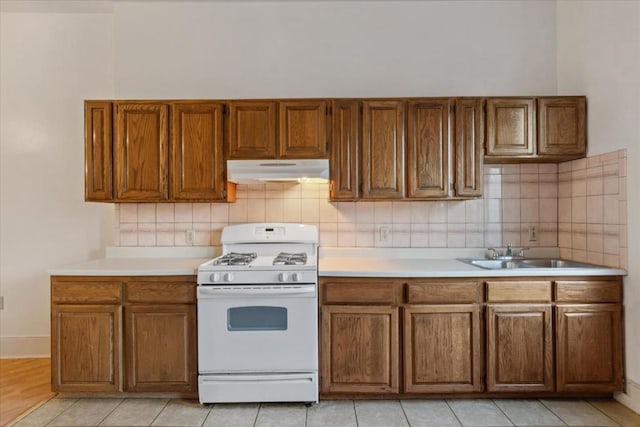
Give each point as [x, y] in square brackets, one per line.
[453, 412]
[602, 411]
[110, 412]
[30, 410]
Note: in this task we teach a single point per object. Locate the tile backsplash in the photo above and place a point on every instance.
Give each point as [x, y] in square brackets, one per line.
[516, 197]
[592, 209]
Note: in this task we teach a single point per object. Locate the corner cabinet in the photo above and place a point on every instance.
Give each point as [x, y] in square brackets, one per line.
[545, 129]
[124, 334]
[496, 337]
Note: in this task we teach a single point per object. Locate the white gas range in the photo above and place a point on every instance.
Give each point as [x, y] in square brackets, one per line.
[257, 316]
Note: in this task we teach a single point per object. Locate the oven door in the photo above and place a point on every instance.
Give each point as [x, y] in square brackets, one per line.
[257, 329]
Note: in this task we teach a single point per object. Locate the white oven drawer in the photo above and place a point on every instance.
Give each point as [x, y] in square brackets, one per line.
[258, 388]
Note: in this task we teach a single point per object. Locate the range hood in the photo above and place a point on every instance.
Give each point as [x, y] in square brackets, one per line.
[257, 171]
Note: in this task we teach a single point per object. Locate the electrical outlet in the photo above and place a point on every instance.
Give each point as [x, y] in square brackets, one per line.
[385, 233]
[189, 237]
[533, 233]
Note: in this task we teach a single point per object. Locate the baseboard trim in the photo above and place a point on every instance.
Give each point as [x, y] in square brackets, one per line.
[631, 397]
[23, 347]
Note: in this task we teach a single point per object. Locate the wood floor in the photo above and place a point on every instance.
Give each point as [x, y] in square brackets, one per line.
[24, 383]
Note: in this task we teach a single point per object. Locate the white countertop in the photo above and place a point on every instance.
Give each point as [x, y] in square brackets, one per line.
[141, 261]
[389, 262]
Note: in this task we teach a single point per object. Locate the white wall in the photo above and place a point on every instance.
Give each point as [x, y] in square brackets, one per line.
[599, 55]
[50, 63]
[332, 49]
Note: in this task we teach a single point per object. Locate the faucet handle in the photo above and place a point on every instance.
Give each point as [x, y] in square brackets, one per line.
[492, 252]
[524, 248]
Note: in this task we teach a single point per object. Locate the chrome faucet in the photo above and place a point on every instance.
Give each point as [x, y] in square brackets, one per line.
[508, 251]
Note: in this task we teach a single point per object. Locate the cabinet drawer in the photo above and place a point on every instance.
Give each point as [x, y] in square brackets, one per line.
[443, 292]
[160, 292]
[365, 292]
[85, 292]
[588, 291]
[522, 291]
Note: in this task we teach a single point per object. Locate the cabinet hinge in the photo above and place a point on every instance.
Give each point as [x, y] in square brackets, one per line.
[452, 108]
[224, 193]
[224, 109]
[328, 110]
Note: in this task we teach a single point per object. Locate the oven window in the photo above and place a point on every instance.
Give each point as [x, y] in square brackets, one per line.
[257, 318]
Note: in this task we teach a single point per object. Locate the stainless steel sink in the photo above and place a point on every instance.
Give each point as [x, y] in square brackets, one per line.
[494, 264]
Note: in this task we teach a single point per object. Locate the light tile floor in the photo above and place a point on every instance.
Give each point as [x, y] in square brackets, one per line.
[339, 413]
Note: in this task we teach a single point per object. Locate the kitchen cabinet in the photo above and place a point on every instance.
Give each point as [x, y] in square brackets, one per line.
[197, 159]
[98, 154]
[519, 336]
[382, 156]
[344, 159]
[303, 129]
[252, 129]
[469, 146]
[131, 334]
[428, 144]
[441, 336]
[141, 151]
[589, 336]
[544, 129]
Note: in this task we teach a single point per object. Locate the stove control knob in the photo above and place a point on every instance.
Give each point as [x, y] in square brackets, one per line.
[283, 277]
[215, 277]
[296, 277]
[228, 277]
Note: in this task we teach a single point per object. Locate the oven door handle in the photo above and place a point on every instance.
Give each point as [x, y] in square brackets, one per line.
[209, 293]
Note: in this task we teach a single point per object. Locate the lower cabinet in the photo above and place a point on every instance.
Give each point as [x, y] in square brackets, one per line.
[360, 349]
[499, 336]
[133, 335]
[519, 347]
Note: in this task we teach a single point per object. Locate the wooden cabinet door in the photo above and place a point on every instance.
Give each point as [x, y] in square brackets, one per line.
[345, 131]
[519, 347]
[382, 149]
[469, 147]
[303, 129]
[85, 342]
[252, 130]
[562, 126]
[160, 348]
[589, 347]
[442, 349]
[359, 349]
[141, 151]
[197, 159]
[98, 156]
[511, 127]
[428, 142]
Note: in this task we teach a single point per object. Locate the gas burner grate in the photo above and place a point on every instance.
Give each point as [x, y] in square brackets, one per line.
[285, 258]
[235, 258]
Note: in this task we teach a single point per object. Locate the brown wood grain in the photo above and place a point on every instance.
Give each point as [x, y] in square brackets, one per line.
[303, 129]
[562, 129]
[382, 159]
[589, 347]
[345, 150]
[86, 292]
[85, 347]
[360, 291]
[442, 348]
[585, 291]
[160, 348]
[360, 349]
[519, 347]
[197, 158]
[444, 292]
[511, 127]
[428, 146]
[98, 146]
[141, 151]
[469, 146]
[519, 290]
[251, 132]
[159, 292]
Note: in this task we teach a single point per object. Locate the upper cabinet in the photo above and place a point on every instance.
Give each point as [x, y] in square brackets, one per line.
[270, 129]
[197, 161]
[546, 129]
[344, 159]
[382, 158]
[98, 145]
[141, 151]
[252, 130]
[428, 143]
[303, 129]
[469, 146]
